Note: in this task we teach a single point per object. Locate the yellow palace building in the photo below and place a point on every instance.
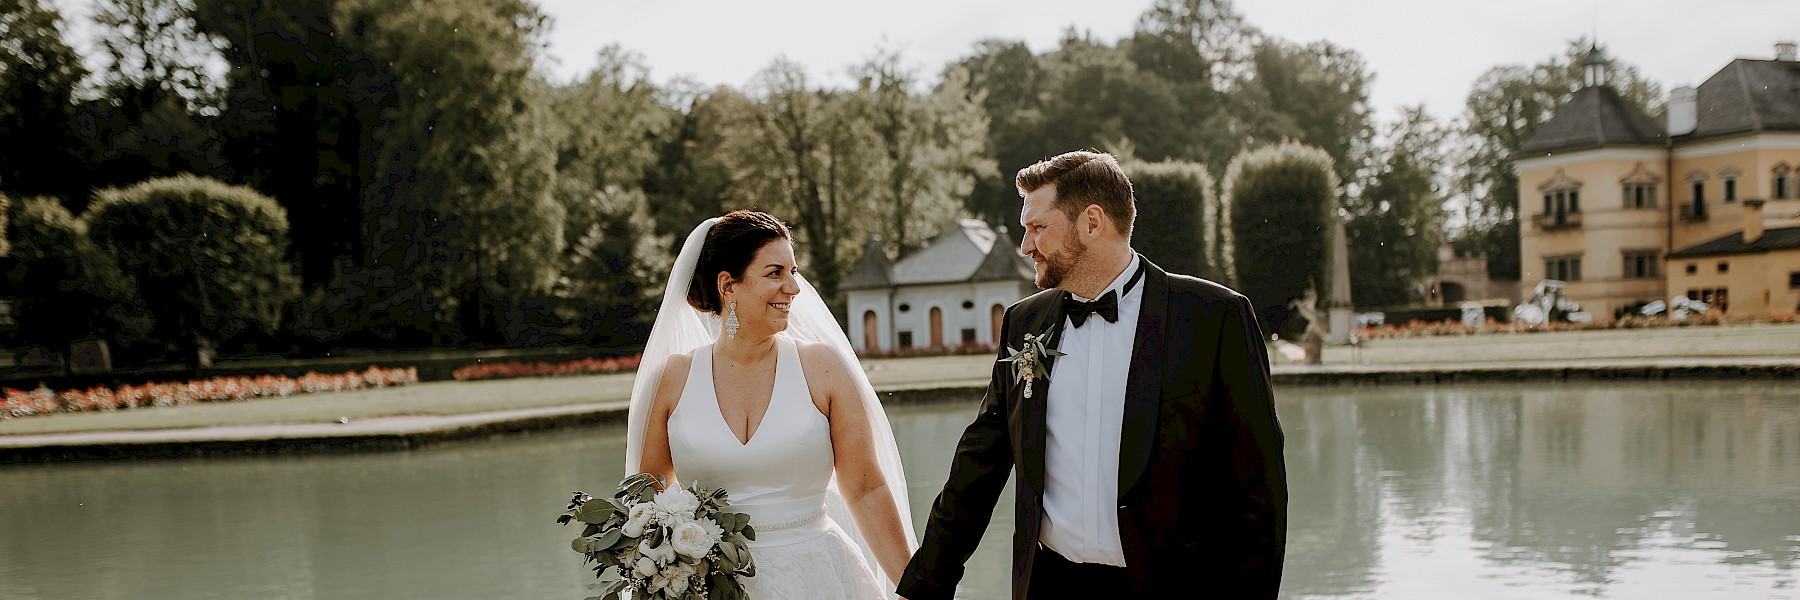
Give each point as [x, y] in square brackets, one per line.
[1701, 201]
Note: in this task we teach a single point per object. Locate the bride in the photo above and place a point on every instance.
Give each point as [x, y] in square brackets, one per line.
[747, 383]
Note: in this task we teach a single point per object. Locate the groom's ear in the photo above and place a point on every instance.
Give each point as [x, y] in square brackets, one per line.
[1092, 218]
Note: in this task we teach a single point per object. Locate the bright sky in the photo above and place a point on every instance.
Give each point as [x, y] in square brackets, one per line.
[1421, 51]
[1428, 51]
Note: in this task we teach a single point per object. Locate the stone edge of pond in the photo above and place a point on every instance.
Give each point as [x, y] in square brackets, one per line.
[515, 424]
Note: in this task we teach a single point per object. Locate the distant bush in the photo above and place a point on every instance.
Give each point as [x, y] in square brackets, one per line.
[210, 259]
[63, 288]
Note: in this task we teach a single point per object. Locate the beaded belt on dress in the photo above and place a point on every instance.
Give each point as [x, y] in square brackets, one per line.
[790, 523]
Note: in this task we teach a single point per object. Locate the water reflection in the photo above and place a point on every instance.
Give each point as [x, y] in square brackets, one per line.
[1618, 490]
[1626, 491]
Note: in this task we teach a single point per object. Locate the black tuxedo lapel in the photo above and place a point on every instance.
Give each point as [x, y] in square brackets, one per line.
[1040, 320]
[1143, 386]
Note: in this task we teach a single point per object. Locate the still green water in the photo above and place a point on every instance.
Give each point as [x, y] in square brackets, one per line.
[1636, 490]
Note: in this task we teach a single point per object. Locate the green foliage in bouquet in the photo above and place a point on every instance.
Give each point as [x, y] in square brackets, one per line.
[676, 544]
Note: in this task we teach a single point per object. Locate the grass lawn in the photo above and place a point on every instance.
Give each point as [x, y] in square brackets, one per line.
[466, 397]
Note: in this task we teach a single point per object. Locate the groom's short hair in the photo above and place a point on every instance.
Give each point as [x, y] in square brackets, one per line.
[1084, 178]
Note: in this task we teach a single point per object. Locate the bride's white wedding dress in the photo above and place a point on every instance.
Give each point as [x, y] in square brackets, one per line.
[779, 477]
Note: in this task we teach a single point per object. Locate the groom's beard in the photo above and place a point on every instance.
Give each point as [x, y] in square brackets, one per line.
[1057, 266]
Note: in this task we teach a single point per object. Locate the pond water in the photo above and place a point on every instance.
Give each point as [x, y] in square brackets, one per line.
[1634, 490]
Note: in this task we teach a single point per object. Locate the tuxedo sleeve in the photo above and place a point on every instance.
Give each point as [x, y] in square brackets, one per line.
[1244, 383]
[960, 515]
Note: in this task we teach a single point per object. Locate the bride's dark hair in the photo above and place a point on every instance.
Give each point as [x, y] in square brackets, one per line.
[730, 246]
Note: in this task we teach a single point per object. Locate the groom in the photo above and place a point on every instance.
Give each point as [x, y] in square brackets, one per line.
[1149, 458]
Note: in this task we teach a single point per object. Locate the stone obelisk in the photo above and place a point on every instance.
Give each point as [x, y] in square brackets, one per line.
[1341, 308]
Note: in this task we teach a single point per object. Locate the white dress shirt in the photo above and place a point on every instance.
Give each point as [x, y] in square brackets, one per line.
[1085, 413]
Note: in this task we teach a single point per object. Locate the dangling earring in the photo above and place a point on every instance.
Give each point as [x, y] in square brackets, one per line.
[731, 322]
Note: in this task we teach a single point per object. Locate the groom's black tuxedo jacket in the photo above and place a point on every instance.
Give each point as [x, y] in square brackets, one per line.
[1203, 490]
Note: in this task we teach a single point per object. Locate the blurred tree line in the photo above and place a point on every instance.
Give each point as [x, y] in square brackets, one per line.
[439, 188]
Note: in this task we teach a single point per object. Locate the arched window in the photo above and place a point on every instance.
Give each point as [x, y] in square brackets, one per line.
[937, 327]
[999, 313]
[871, 332]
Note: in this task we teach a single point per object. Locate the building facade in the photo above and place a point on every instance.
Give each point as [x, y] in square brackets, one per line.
[1700, 201]
[951, 293]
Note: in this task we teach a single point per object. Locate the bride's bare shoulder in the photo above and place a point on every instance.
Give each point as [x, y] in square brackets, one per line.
[673, 379]
[820, 357]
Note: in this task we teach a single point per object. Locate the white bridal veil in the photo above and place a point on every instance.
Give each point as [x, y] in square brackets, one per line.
[680, 329]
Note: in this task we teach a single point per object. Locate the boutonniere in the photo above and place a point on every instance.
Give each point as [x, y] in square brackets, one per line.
[1028, 360]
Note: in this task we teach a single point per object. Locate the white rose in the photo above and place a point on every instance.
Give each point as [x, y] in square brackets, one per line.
[692, 540]
[661, 554]
[639, 517]
[646, 567]
[677, 502]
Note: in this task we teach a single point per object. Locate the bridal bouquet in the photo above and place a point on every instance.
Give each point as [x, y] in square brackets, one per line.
[669, 545]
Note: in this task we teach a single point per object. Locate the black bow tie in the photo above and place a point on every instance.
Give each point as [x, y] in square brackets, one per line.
[1107, 305]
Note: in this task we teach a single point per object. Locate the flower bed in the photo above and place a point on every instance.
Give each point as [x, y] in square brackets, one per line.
[1423, 329]
[585, 366]
[19, 403]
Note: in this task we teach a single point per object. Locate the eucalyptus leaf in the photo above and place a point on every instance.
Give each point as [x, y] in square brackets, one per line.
[609, 540]
[593, 512]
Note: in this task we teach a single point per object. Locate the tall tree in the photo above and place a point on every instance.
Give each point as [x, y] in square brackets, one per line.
[1097, 97]
[612, 271]
[461, 200]
[932, 148]
[1283, 199]
[1506, 107]
[1395, 224]
[1205, 50]
[299, 112]
[1316, 94]
[609, 129]
[155, 88]
[776, 149]
[692, 176]
[1009, 79]
[39, 73]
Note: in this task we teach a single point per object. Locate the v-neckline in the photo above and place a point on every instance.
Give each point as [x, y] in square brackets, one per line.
[718, 409]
